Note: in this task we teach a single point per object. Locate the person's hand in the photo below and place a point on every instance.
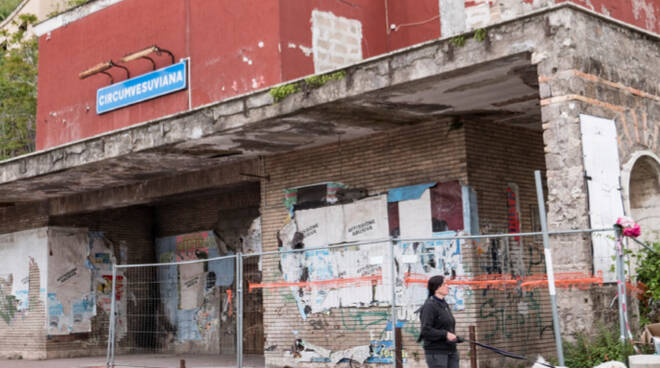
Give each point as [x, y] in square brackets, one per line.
[451, 336]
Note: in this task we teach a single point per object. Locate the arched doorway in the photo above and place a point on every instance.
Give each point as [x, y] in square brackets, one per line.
[644, 196]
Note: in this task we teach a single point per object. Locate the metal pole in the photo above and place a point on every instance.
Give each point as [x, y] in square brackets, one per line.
[110, 357]
[393, 319]
[548, 265]
[620, 285]
[239, 310]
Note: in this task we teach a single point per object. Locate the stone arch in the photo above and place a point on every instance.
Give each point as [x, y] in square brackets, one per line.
[643, 195]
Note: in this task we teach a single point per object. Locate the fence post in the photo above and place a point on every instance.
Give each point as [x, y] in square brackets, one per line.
[473, 347]
[393, 319]
[239, 309]
[110, 356]
[621, 285]
[548, 265]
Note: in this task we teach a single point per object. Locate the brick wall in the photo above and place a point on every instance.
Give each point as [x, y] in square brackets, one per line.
[498, 156]
[484, 156]
[23, 216]
[410, 155]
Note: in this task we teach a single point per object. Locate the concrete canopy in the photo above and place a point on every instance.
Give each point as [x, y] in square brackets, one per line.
[494, 80]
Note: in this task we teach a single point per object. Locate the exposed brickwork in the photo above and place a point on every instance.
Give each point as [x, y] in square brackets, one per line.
[23, 217]
[513, 320]
[406, 156]
[336, 41]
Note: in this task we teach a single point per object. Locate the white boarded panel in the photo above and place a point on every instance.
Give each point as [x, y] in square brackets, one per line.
[415, 219]
[601, 164]
[191, 284]
[321, 226]
[366, 219]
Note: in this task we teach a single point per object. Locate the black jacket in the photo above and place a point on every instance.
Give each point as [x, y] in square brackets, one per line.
[436, 320]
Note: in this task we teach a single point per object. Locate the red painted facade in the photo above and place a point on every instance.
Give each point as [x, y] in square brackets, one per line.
[234, 46]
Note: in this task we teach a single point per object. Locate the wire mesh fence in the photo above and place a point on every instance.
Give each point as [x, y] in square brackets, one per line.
[359, 302]
[184, 307]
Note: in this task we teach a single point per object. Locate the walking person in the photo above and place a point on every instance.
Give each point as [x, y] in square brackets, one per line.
[438, 327]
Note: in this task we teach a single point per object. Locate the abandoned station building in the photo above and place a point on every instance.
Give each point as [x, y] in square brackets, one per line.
[191, 129]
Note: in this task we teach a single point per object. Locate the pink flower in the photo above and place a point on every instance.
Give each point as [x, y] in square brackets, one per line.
[629, 226]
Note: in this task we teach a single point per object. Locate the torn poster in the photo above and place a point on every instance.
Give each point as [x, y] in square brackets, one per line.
[69, 282]
[343, 277]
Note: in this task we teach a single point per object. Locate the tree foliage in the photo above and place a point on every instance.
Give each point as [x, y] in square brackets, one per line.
[18, 89]
[648, 273]
[6, 7]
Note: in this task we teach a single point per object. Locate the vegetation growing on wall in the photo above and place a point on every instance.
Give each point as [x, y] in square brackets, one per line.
[587, 352]
[315, 81]
[648, 273]
[69, 4]
[18, 89]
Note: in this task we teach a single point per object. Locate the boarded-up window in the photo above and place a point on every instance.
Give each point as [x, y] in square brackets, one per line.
[601, 165]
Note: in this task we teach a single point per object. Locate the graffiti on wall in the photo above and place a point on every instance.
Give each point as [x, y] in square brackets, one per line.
[426, 259]
[22, 284]
[197, 296]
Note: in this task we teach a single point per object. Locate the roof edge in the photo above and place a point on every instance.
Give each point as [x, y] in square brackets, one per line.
[71, 15]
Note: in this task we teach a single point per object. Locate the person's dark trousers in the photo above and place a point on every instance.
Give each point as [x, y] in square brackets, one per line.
[441, 360]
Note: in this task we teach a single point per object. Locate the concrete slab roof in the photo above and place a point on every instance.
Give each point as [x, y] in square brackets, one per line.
[493, 80]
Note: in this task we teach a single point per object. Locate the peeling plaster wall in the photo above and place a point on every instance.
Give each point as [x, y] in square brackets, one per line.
[264, 43]
[23, 285]
[460, 16]
[71, 300]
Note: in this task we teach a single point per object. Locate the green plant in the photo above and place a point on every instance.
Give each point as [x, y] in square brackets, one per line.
[281, 92]
[648, 273]
[70, 4]
[458, 41]
[18, 89]
[589, 351]
[316, 81]
[480, 35]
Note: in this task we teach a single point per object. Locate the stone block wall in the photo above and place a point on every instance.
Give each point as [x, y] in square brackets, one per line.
[613, 80]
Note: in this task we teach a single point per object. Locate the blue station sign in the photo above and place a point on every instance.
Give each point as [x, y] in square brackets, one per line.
[145, 87]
